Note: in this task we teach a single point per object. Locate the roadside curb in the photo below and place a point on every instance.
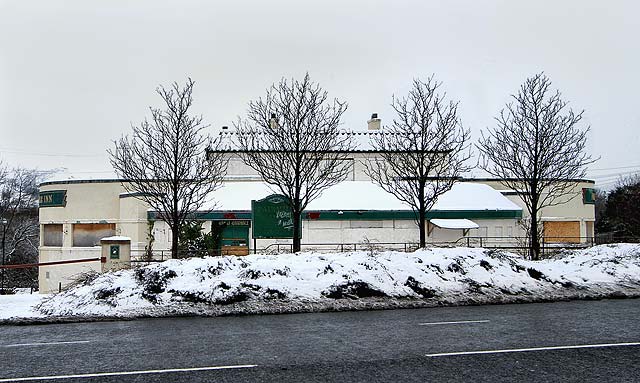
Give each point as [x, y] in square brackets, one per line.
[275, 307]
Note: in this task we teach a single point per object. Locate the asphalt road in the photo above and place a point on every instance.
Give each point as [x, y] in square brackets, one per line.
[581, 341]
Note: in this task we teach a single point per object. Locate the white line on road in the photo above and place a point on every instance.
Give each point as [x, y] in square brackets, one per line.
[121, 373]
[45, 344]
[534, 349]
[456, 322]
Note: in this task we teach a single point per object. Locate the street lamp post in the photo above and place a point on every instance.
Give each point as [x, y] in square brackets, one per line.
[3, 223]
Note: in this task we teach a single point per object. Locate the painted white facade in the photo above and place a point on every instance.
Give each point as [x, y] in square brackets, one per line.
[106, 206]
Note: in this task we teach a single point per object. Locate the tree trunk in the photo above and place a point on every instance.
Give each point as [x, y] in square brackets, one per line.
[422, 215]
[175, 232]
[422, 226]
[534, 251]
[296, 232]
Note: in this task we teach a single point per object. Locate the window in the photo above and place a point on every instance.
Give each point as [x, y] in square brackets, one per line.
[588, 196]
[398, 224]
[510, 231]
[52, 235]
[561, 231]
[365, 224]
[499, 233]
[90, 234]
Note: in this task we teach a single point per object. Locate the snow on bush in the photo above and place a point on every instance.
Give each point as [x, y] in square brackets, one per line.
[439, 275]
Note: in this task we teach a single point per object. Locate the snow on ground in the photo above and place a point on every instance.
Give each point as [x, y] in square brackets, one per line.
[20, 305]
[353, 280]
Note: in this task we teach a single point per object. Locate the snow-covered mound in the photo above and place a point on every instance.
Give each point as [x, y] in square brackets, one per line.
[308, 281]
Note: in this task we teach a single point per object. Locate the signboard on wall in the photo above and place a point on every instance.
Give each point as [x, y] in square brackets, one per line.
[272, 218]
[52, 198]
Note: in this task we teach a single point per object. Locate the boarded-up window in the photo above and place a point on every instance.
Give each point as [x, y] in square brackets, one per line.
[52, 235]
[90, 234]
[562, 232]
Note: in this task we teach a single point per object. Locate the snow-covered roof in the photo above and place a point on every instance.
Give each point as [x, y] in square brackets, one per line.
[474, 196]
[237, 195]
[454, 223]
[66, 176]
[364, 195]
[361, 139]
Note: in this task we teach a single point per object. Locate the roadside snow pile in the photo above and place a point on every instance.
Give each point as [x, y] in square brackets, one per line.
[339, 281]
[20, 305]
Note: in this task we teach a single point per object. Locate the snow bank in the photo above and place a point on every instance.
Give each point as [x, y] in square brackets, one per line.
[314, 281]
[20, 305]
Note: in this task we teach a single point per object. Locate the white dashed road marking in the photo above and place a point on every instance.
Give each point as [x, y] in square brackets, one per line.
[456, 322]
[534, 349]
[45, 343]
[122, 373]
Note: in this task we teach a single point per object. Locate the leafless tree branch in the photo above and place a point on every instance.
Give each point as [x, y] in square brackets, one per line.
[423, 152]
[536, 149]
[165, 160]
[292, 138]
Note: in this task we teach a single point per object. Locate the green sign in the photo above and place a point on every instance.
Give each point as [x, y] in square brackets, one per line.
[52, 198]
[272, 218]
[588, 196]
[114, 251]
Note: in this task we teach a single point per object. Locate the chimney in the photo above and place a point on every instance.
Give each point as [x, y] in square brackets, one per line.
[274, 121]
[374, 122]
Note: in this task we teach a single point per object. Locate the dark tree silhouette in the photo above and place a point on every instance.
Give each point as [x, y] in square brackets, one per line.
[535, 149]
[292, 139]
[165, 160]
[19, 228]
[423, 152]
[620, 215]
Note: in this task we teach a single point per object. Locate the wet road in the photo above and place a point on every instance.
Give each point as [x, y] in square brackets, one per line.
[577, 341]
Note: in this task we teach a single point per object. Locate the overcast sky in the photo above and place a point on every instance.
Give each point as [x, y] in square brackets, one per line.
[74, 75]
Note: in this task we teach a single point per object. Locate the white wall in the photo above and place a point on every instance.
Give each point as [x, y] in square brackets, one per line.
[87, 202]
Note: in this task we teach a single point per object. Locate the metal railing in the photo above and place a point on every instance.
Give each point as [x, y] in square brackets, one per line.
[548, 246]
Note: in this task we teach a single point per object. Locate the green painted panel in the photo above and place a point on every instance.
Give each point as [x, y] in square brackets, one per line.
[114, 251]
[272, 218]
[369, 215]
[210, 215]
[235, 235]
[372, 215]
[52, 198]
[589, 196]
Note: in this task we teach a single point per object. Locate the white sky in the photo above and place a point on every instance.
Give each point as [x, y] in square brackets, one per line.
[74, 75]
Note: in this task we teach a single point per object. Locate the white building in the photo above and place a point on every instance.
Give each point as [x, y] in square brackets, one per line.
[75, 214]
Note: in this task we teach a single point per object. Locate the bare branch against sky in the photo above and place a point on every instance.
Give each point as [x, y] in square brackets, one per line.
[73, 73]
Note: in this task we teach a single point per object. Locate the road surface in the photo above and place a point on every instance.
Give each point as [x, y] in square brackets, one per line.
[580, 341]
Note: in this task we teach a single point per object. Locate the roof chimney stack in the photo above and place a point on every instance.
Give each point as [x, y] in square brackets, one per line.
[374, 122]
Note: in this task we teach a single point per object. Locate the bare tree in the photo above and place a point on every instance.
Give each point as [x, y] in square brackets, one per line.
[536, 149]
[423, 152]
[19, 228]
[165, 160]
[292, 139]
